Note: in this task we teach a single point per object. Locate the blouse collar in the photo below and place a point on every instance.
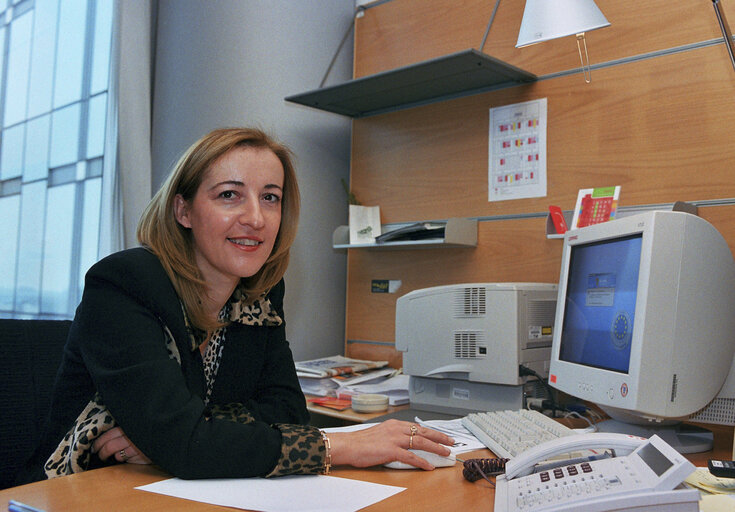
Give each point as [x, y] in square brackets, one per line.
[238, 309]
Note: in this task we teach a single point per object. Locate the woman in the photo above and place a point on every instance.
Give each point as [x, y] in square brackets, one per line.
[177, 354]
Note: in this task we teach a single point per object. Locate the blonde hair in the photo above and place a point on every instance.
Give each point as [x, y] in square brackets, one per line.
[159, 231]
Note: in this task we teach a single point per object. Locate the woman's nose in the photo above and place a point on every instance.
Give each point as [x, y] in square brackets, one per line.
[252, 214]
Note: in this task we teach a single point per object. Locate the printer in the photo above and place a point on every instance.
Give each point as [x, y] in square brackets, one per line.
[463, 344]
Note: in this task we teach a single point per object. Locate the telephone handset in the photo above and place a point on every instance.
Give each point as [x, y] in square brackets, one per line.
[523, 463]
[645, 473]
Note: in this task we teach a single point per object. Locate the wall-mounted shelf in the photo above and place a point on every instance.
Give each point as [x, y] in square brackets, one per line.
[624, 211]
[458, 233]
[463, 73]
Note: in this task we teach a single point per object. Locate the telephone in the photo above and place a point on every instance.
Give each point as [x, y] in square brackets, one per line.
[643, 475]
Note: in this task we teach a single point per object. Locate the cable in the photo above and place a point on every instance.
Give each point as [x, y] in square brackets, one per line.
[474, 469]
[575, 414]
[524, 371]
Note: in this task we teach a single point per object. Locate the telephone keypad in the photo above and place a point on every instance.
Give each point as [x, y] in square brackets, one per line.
[569, 481]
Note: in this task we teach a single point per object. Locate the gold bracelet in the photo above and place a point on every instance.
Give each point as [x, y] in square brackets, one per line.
[328, 455]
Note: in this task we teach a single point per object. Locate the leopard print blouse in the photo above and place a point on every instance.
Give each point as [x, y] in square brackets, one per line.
[302, 447]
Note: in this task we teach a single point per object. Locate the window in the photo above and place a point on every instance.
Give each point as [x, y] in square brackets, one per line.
[54, 70]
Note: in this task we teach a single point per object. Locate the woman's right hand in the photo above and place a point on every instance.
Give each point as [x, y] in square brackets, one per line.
[387, 442]
[114, 443]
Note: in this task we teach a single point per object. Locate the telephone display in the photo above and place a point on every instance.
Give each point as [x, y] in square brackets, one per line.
[644, 473]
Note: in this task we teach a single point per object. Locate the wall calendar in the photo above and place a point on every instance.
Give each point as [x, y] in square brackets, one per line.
[517, 151]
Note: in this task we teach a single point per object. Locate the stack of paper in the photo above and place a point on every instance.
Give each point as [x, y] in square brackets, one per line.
[329, 385]
[335, 365]
[322, 377]
[318, 387]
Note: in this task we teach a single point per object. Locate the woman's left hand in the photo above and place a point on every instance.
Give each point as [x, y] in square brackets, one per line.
[115, 443]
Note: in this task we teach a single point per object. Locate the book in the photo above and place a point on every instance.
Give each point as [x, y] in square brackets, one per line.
[339, 404]
[335, 365]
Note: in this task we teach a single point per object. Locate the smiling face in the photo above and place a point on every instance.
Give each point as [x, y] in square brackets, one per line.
[234, 216]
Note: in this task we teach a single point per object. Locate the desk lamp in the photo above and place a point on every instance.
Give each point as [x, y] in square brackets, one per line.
[544, 20]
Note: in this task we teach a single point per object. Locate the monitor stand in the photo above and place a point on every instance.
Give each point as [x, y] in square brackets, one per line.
[682, 437]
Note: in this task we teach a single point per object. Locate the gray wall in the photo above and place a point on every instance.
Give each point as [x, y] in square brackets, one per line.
[231, 63]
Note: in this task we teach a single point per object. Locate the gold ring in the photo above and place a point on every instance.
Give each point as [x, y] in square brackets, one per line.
[123, 455]
[414, 430]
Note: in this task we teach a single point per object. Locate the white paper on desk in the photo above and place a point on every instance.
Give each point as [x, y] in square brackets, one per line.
[305, 493]
[464, 440]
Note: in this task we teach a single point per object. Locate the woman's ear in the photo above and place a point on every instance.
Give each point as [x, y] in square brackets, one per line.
[181, 211]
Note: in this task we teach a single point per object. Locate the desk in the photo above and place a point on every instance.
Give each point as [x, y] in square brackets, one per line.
[443, 489]
[113, 488]
[348, 415]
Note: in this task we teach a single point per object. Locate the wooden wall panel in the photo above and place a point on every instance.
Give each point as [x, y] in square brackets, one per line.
[402, 32]
[660, 127]
[507, 251]
[650, 126]
[374, 352]
[723, 218]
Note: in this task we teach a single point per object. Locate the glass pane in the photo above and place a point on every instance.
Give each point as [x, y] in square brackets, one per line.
[30, 247]
[64, 136]
[19, 49]
[2, 51]
[36, 149]
[9, 217]
[11, 157]
[70, 52]
[96, 126]
[90, 229]
[94, 168]
[42, 57]
[58, 244]
[101, 47]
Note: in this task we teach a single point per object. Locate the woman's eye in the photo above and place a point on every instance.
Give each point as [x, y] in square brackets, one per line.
[272, 198]
[227, 194]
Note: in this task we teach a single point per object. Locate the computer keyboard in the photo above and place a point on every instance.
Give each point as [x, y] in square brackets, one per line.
[508, 433]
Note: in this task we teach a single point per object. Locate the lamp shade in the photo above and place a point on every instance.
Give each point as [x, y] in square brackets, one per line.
[548, 19]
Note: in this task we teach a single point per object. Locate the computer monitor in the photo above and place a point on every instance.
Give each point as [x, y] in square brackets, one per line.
[645, 322]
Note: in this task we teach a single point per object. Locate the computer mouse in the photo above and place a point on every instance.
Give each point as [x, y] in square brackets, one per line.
[438, 461]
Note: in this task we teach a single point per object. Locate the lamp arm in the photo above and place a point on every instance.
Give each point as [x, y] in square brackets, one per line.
[358, 10]
[727, 34]
[489, 24]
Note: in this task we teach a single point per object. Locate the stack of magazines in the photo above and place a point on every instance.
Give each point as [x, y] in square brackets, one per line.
[344, 377]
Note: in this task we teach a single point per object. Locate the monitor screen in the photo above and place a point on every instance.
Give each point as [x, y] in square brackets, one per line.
[600, 303]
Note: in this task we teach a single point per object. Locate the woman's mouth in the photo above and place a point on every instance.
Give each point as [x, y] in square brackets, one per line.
[246, 242]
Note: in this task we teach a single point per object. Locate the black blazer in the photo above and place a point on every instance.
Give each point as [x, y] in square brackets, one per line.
[117, 346]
